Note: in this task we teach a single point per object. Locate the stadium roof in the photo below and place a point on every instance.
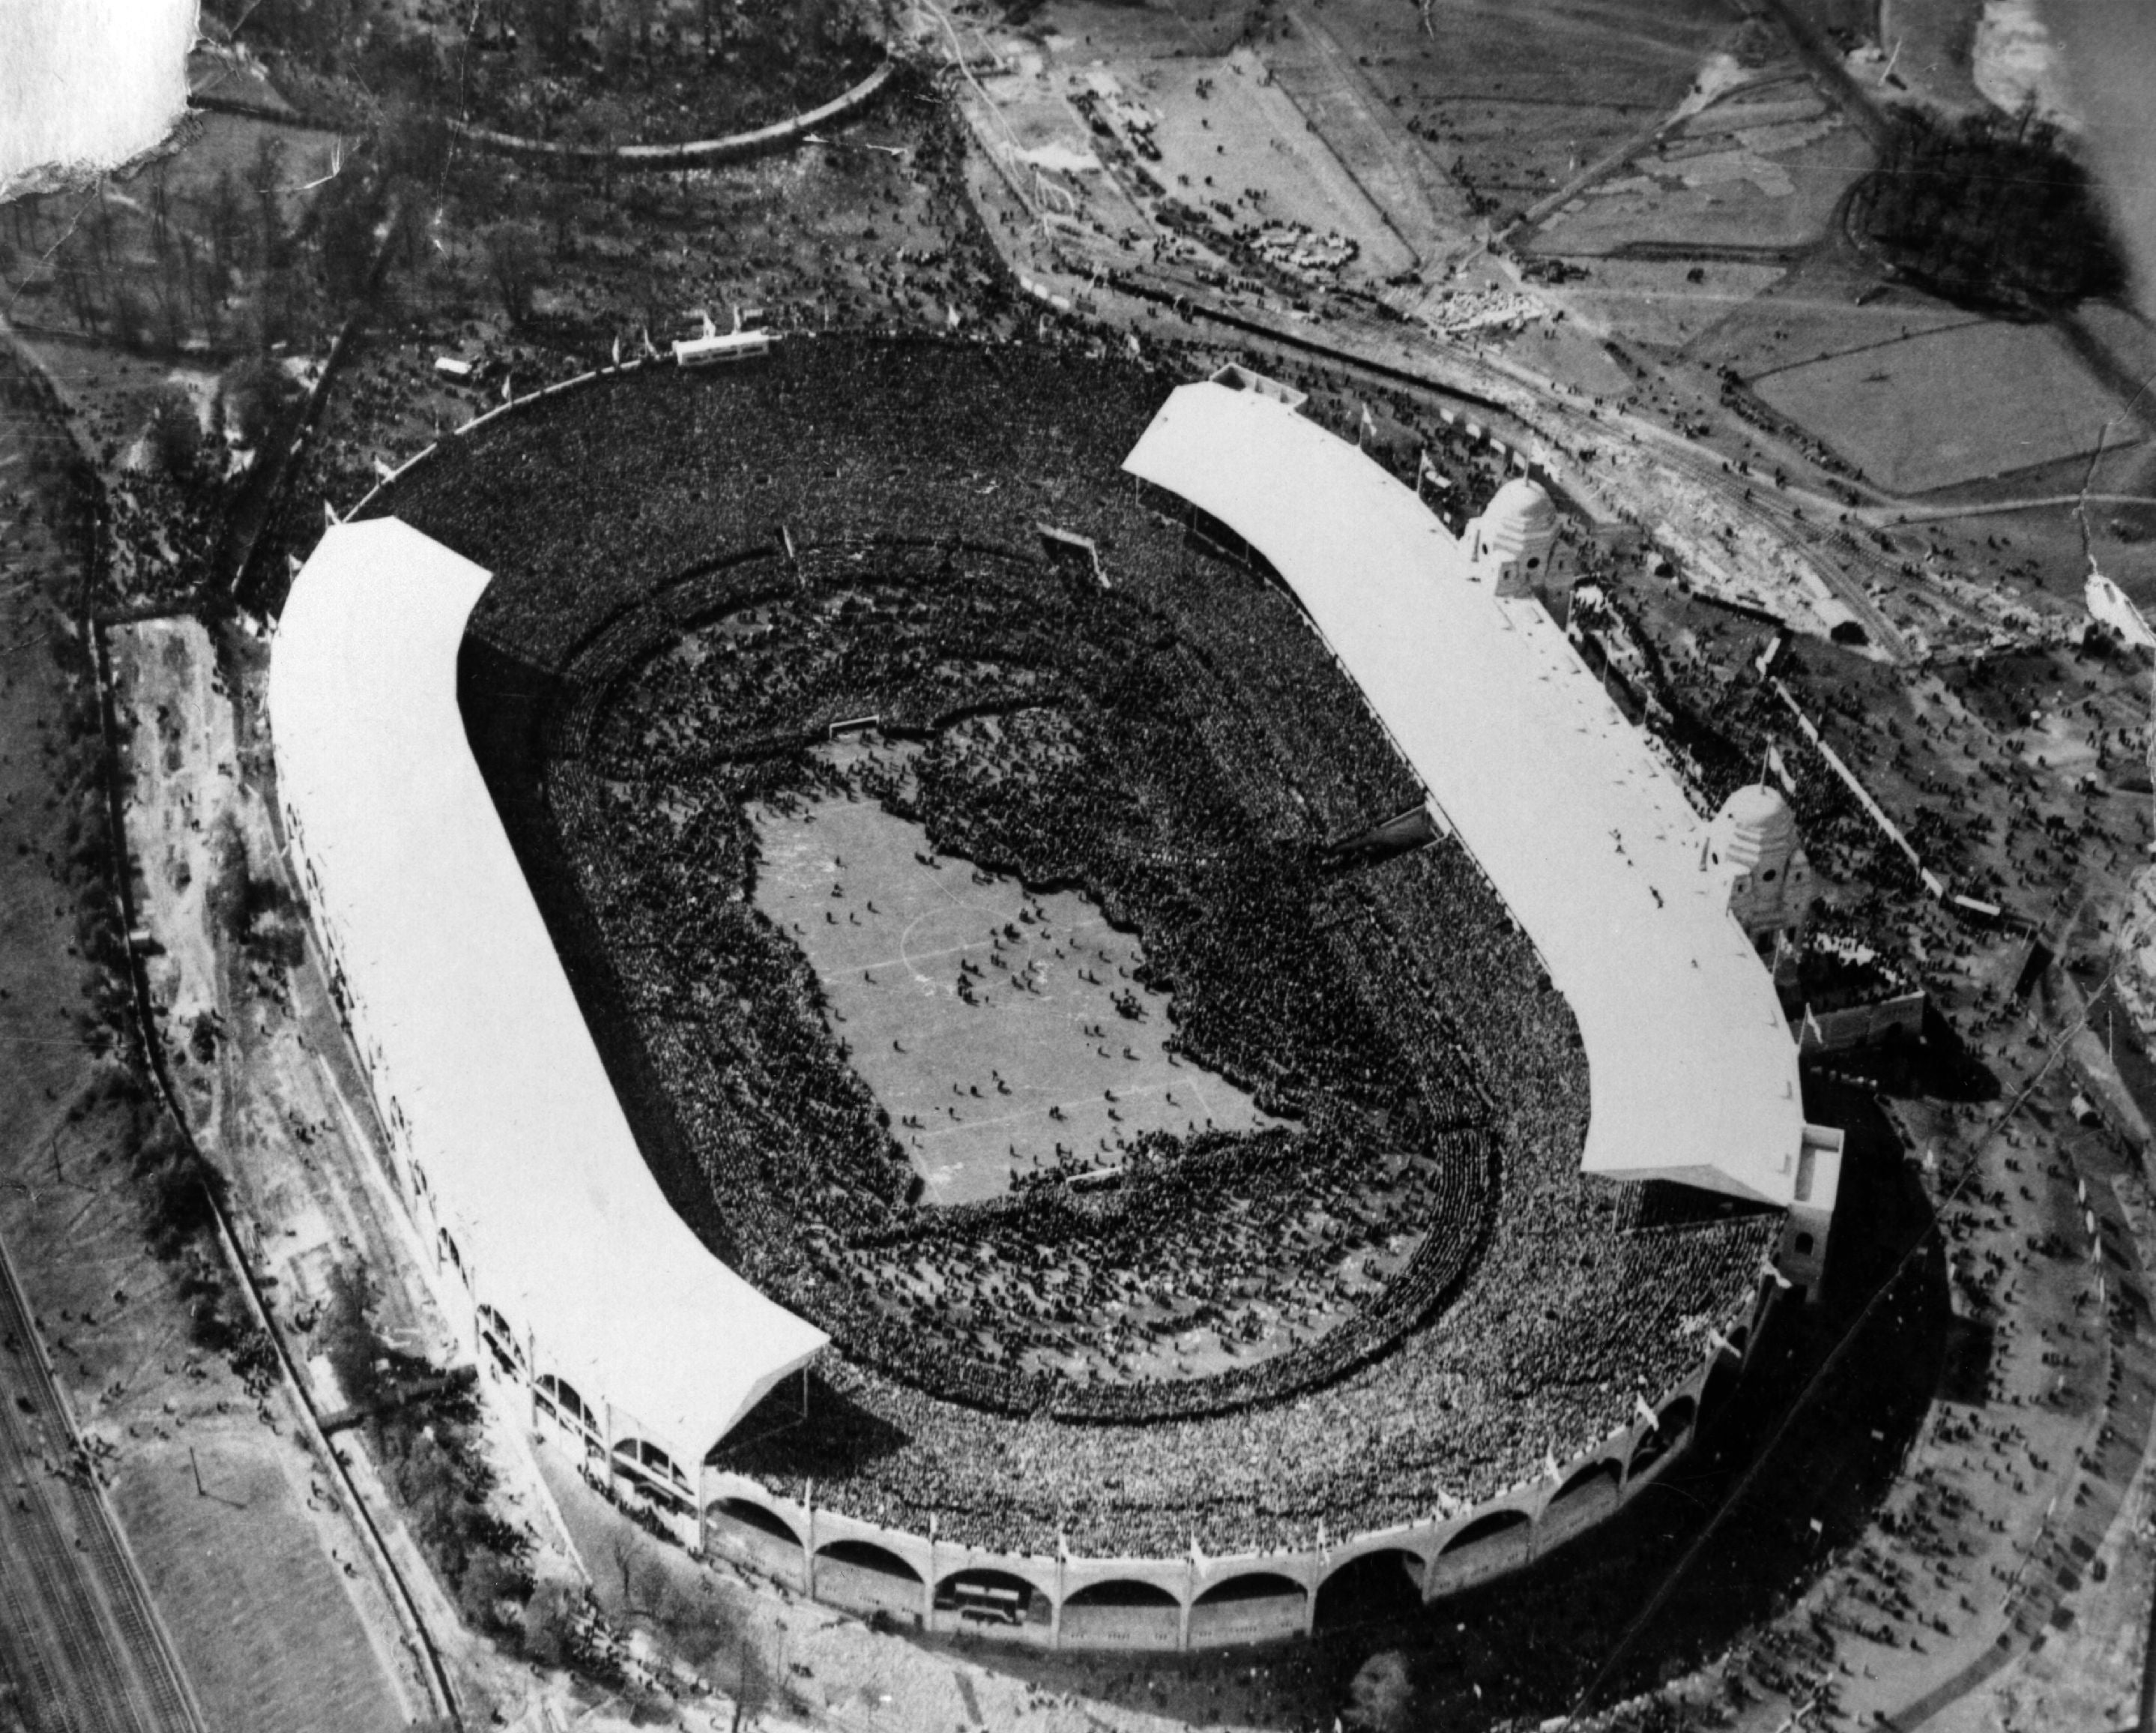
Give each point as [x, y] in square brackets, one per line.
[1588, 837]
[477, 1037]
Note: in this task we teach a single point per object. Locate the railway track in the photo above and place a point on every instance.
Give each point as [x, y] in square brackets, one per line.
[78, 1638]
[80, 1635]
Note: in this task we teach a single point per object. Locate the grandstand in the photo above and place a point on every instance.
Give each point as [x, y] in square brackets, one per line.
[1589, 839]
[826, 522]
[556, 1252]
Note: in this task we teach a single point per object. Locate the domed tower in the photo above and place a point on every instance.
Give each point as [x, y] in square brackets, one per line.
[1514, 541]
[1754, 845]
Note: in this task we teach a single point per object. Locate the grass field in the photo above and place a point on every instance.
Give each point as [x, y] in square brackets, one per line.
[1517, 96]
[1244, 133]
[260, 1613]
[1952, 406]
[1774, 187]
[1654, 300]
[1814, 312]
[1034, 1054]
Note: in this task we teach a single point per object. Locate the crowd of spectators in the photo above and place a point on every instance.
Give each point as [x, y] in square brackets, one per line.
[1244, 1239]
[719, 568]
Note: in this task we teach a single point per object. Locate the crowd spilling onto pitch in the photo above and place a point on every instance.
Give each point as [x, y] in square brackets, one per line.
[721, 569]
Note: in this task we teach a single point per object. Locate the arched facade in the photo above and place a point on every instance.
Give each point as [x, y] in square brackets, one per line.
[1195, 1602]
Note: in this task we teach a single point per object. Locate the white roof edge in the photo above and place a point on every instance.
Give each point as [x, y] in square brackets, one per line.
[1588, 839]
[466, 1020]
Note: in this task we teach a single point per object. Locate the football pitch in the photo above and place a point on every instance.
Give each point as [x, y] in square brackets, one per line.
[998, 1029]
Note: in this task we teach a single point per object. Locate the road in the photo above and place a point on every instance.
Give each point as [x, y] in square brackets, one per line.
[77, 1634]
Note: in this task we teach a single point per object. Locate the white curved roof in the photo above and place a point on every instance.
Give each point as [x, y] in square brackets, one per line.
[1590, 840]
[475, 1036]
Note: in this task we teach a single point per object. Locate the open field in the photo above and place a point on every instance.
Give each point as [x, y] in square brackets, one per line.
[270, 1628]
[1512, 99]
[1952, 406]
[1774, 193]
[1936, 40]
[1032, 1057]
[1813, 312]
[1659, 302]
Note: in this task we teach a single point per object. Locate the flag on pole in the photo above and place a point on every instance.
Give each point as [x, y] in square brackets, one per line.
[1645, 1416]
[508, 381]
[644, 335]
[1780, 766]
[951, 318]
[383, 470]
[1550, 1467]
[1131, 340]
[1369, 425]
[293, 561]
[617, 348]
[1426, 470]
[329, 517]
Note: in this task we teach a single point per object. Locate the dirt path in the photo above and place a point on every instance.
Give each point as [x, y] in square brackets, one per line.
[118, 1317]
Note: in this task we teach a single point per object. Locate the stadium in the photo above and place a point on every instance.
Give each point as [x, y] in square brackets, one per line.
[1022, 993]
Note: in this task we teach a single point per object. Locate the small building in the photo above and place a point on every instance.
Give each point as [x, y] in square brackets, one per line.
[723, 346]
[1514, 542]
[1237, 377]
[1754, 845]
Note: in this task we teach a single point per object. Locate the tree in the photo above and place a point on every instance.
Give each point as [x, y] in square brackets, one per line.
[176, 435]
[548, 1621]
[351, 209]
[513, 259]
[266, 180]
[1382, 1694]
[260, 399]
[629, 1550]
[552, 25]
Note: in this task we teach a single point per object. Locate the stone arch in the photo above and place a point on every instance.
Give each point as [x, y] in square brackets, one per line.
[1671, 1427]
[1123, 1613]
[1721, 1385]
[1370, 1588]
[1591, 1482]
[1485, 1527]
[866, 1556]
[738, 1519]
[501, 1340]
[1121, 1591]
[1493, 1543]
[560, 1397]
[1253, 1585]
[654, 1473]
[1585, 1498]
[1259, 1606]
[862, 1577]
[748, 1530]
[980, 1595]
